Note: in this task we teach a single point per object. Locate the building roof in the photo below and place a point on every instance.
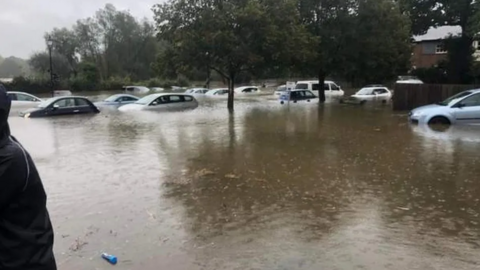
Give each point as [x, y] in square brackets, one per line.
[438, 33]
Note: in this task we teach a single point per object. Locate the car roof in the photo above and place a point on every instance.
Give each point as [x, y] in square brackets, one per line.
[474, 90]
[243, 87]
[297, 90]
[313, 81]
[18, 92]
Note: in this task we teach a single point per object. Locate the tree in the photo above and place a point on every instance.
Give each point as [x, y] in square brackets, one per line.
[40, 63]
[332, 23]
[231, 36]
[65, 43]
[433, 13]
[382, 43]
[12, 66]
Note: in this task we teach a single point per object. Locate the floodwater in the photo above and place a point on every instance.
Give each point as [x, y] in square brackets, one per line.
[269, 187]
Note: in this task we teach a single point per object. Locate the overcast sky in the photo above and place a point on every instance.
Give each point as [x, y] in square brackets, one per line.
[24, 22]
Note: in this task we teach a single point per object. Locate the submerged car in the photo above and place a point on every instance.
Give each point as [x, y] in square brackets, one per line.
[331, 88]
[117, 100]
[136, 89]
[247, 90]
[21, 99]
[282, 89]
[462, 108]
[196, 91]
[373, 93]
[162, 102]
[217, 92]
[298, 96]
[56, 106]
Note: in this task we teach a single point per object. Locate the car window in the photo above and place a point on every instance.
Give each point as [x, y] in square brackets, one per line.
[308, 94]
[335, 87]
[471, 101]
[65, 103]
[301, 86]
[174, 99]
[380, 91]
[326, 87]
[204, 91]
[315, 87]
[81, 102]
[294, 95]
[188, 98]
[12, 96]
[159, 100]
[247, 90]
[130, 89]
[122, 99]
[22, 97]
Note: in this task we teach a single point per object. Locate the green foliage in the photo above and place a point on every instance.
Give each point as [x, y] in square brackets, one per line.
[229, 37]
[434, 75]
[13, 66]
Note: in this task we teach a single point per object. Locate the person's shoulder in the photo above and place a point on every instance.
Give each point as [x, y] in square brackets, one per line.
[13, 152]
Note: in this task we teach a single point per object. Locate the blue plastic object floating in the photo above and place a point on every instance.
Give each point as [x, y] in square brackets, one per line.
[109, 258]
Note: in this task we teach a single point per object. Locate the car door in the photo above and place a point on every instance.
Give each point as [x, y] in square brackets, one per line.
[64, 106]
[82, 106]
[467, 111]
[327, 89]
[176, 102]
[159, 104]
[335, 90]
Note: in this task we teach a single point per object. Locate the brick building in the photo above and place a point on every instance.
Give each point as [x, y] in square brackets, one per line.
[429, 49]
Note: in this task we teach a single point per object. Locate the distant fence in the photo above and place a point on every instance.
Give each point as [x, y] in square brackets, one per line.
[409, 96]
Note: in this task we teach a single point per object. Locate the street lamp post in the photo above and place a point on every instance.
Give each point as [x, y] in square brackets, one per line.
[50, 45]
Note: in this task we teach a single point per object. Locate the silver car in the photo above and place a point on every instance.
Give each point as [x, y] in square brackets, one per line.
[162, 102]
[462, 108]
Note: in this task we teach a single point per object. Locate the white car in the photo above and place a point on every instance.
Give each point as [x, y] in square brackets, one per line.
[157, 89]
[217, 92]
[136, 89]
[462, 108]
[280, 90]
[247, 90]
[298, 96]
[21, 99]
[330, 87]
[162, 102]
[373, 93]
[196, 91]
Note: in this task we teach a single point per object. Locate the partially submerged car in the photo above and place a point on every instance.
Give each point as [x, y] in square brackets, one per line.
[247, 90]
[282, 89]
[196, 91]
[22, 99]
[136, 89]
[117, 100]
[217, 92]
[68, 105]
[462, 108]
[373, 93]
[298, 96]
[162, 102]
[331, 88]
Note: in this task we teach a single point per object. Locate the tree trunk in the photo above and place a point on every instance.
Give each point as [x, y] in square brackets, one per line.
[231, 92]
[321, 82]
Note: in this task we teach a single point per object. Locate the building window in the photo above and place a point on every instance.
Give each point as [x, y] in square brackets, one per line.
[440, 48]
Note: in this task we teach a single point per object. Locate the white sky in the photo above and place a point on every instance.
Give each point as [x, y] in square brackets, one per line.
[24, 22]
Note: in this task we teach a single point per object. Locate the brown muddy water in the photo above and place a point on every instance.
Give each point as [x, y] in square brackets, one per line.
[269, 187]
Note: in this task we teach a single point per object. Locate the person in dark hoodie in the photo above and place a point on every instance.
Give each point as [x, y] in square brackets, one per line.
[26, 233]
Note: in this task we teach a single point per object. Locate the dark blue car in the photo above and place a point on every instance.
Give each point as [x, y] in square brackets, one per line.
[68, 105]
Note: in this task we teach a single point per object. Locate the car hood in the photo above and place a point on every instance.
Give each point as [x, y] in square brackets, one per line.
[427, 107]
[22, 114]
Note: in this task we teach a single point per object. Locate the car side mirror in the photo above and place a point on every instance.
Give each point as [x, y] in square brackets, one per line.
[55, 106]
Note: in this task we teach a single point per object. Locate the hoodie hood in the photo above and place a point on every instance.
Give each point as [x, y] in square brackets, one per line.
[5, 104]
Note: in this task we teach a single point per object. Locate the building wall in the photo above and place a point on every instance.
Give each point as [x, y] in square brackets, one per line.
[425, 54]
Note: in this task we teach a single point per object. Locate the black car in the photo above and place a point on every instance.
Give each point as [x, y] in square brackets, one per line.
[67, 105]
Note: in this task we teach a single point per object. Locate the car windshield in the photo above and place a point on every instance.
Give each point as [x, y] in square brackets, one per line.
[112, 98]
[45, 103]
[364, 91]
[454, 97]
[301, 86]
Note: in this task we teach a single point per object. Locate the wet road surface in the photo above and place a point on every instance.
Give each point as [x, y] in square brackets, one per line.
[269, 187]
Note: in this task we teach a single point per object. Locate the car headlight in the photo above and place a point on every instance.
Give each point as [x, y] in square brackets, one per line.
[27, 115]
[416, 114]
